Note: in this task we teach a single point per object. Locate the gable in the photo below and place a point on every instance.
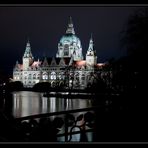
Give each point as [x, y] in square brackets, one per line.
[53, 62]
[62, 62]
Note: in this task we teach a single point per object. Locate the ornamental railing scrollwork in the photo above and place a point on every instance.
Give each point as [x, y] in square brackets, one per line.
[51, 126]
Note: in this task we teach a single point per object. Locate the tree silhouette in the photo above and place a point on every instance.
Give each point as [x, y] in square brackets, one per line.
[136, 42]
[42, 86]
[14, 86]
[135, 36]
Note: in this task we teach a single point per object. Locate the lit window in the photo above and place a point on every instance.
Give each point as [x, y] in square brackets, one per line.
[60, 77]
[53, 75]
[45, 76]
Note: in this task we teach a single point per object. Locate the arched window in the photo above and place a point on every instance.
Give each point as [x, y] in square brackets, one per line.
[38, 76]
[83, 77]
[62, 75]
[53, 75]
[45, 76]
[77, 76]
[34, 76]
[66, 50]
[29, 77]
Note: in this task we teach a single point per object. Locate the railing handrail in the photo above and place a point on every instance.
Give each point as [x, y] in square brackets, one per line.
[55, 113]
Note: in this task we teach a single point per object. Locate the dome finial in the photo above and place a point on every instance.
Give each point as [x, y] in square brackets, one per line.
[91, 37]
[28, 40]
[70, 20]
[70, 28]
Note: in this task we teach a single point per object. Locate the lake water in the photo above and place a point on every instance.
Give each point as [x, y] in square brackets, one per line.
[27, 103]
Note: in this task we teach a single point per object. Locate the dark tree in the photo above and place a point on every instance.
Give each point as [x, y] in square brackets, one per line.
[136, 42]
[42, 86]
[135, 36]
[134, 70]
[14, 86]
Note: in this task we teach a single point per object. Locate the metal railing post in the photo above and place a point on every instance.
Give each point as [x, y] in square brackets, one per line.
[66, 128]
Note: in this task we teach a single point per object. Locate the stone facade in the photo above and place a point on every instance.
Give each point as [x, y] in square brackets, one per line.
[68, 68]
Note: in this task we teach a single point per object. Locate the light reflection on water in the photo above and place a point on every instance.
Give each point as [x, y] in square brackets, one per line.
[27, 103]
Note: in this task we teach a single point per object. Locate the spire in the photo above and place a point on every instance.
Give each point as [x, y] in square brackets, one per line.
[28, 40]
[91, 37]
[70, 28]
[28, 50]
[45, 62]
[17, 62]
[70, 20]
[91, 44]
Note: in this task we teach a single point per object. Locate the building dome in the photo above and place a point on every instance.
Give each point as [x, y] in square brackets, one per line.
[70, 45]
[70, 39]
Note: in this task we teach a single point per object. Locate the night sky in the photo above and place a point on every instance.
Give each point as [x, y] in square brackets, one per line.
[46, 25]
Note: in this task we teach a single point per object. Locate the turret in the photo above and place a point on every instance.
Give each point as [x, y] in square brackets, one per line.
[91, 58]
[27, 58]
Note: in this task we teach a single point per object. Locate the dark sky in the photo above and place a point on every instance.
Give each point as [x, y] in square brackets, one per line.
[46, 25]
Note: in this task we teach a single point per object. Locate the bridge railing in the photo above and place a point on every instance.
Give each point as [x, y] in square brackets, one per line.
[58, 125]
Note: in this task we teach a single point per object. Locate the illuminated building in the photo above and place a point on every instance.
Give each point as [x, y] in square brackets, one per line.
[68, 68]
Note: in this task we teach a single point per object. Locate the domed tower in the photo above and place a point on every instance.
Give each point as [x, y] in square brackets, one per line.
[91, 58]
[70, 44]
[27, 58]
